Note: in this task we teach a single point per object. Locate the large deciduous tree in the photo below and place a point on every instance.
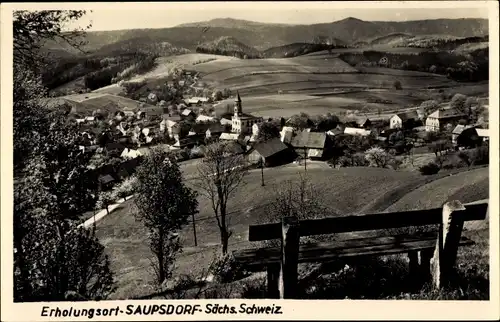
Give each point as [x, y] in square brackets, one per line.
[164, 204]
[220, 173]
[268, 130]
[53, 257]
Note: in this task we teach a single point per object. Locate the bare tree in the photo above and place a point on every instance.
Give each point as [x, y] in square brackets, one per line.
[297, 198]
[220, 173]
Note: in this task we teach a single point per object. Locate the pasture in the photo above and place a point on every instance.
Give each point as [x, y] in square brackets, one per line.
[314, 84]
[342, 191]
[89, 102]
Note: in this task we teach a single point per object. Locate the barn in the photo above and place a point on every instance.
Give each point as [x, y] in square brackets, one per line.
[273, 152]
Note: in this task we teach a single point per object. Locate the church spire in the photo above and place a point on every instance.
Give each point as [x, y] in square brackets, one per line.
[237, 106]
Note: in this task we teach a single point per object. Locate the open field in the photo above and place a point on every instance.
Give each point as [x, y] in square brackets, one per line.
[315, 84]
[107, 102]
[345, 191]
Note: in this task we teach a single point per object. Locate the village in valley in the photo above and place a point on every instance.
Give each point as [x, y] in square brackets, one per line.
[178, 149]
[185, 126]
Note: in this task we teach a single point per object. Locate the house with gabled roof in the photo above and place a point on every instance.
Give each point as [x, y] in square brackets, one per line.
[356, 131]
[406, 120]
[465, 136]
[440, 118]
[314, 145]
[272, 152]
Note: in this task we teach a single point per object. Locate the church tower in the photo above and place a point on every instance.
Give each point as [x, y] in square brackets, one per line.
[237, 105]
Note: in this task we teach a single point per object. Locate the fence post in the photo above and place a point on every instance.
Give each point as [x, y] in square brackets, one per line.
[449, 235]
[273, 275]
[289, 257]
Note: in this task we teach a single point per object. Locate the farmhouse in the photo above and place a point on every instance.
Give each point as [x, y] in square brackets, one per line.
[464, 135]
[170, 124]
[189, 142]
[356, 131]
[186, 113]
[209, 129]
[272, 152]
[286, 134]
[406, 120]
[197, 101]
[204, 118]
[230, 136]
[130, 153]
[336, 131]
[241, 122]
[484, 134]
[311, 144]
[440, 118]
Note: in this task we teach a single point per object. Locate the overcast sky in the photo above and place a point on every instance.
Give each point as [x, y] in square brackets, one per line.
[156, 15]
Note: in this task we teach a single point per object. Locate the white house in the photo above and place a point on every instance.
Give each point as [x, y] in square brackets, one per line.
[229, 136]
[356, 131]
[403, 120]
[286, 134]
[440, 118]
[204, 118]
[130, 153]
[172, 127]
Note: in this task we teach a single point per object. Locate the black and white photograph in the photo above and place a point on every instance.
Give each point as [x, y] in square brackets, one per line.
[262, 153]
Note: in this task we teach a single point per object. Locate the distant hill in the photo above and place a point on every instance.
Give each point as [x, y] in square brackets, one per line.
[262, 36]
[233, 23]
[228, 46]
[391, 38]
[296, 49]
[140, 44]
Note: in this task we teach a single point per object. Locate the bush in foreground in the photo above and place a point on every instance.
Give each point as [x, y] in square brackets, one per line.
[429, 169]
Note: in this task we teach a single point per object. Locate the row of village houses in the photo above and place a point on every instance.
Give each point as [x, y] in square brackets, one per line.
[244, 129]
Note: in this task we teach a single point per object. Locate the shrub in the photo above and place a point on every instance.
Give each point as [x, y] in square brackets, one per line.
[378, 157]
[429, 169]
[397, 85]
[226, 269]
[480, 155]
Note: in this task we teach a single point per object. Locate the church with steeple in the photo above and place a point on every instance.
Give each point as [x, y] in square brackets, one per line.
[241, 122]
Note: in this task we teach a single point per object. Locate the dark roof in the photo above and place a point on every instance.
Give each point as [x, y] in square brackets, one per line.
[270, 147]
[445, 113]
[115, 146]
[214, 127]
[408, 116]
[234, 147]
[104, 179]
[312, 140]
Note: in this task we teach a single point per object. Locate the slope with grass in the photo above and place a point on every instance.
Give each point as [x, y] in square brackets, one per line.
[345, 191]
[466, 186]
